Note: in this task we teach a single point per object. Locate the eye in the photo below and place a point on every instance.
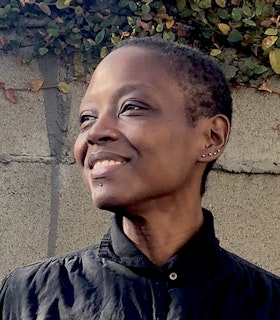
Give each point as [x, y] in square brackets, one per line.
[132, 109]
[87, 119]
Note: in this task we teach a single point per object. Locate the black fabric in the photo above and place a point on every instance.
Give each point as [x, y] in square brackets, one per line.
[114, 280]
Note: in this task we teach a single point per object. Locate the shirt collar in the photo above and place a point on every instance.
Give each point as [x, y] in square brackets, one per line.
[199, 256]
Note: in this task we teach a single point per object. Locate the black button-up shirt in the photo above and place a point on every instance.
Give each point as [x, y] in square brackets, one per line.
[114, 280]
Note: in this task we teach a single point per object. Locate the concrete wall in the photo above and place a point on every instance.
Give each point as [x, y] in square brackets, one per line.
[45, 209]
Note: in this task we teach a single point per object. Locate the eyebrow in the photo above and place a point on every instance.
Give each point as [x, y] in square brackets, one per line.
[129, 88]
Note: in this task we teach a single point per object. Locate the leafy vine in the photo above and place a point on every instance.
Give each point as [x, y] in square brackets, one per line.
[243, 36]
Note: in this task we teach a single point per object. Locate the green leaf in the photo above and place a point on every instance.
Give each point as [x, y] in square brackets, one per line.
[222, 13]
[123, 3]
[246, 10]
[204, 4]
[43, 51]
[159, 27]
[3, 14]
[249, 22]
[168, 35]
[15, 44]
[234, 36]
[274, 59]
[106, 23]
[62, 4]
[260, 69]
[88, 44]
[259, 8]
[181, 5]
[79, 11]
[221, 3]
[100, 36]
[195, 7]
[132, 6]
[53, 32]
[271, 32]
[236, 14]
[249, 64]
[267, 10]
[103, 52]
[145, 8]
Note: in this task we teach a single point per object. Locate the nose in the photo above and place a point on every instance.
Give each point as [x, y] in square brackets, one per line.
[103, 130]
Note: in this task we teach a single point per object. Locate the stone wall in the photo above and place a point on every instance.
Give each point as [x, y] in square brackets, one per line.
[45, 209]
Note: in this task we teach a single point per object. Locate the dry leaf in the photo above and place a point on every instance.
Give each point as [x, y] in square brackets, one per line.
[24, 2]
[268, 42]
[36, 84]
[41, 32]
[266, 23]
[215, 52]
[63, 87]
[45, 8]
[11, 95]
[59, 20]
[125, 34]
[3, 41]
[170, 23]
[265, 87]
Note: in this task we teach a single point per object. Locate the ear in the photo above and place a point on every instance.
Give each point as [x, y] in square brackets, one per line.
[216, 137]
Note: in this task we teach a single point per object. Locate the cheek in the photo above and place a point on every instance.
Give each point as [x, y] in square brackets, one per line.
[80, 149]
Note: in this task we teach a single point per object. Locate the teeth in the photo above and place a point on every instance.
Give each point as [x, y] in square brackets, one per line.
[106, 163]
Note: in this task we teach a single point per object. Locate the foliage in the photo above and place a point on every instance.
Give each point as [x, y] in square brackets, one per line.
[244, 36]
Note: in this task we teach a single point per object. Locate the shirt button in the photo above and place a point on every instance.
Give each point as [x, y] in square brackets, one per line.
[173, 276]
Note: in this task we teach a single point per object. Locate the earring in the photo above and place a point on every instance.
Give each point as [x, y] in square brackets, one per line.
[210, 153]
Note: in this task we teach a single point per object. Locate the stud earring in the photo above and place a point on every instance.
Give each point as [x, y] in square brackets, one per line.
[210, 153]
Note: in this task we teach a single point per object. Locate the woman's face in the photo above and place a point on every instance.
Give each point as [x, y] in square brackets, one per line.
[135, 145]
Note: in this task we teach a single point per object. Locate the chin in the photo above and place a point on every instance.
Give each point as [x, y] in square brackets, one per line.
[108, 203]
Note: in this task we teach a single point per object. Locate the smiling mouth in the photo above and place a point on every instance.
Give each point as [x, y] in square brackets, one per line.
[106, 164]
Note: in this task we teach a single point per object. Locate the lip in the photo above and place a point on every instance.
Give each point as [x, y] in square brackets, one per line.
[111, 161]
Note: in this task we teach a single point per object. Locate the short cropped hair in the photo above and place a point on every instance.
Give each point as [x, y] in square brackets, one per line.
[203, 83]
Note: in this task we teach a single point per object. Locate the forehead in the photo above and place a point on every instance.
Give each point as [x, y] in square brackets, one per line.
[132, 68]
[132, 65]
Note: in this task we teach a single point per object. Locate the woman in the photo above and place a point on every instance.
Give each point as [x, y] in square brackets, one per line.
[155, 117]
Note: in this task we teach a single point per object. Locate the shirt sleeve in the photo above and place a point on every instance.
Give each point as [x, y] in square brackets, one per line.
[5, 300]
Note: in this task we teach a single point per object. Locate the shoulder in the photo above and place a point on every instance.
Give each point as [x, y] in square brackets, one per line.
[34, 276]
[250, 275]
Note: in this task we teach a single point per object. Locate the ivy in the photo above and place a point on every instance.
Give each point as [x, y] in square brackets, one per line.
[243, 36]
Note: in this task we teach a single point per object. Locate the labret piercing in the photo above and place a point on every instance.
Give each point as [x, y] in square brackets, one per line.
[100, 184]
[210, 153]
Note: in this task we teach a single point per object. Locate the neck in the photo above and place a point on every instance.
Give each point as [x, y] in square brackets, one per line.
[160, 234]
